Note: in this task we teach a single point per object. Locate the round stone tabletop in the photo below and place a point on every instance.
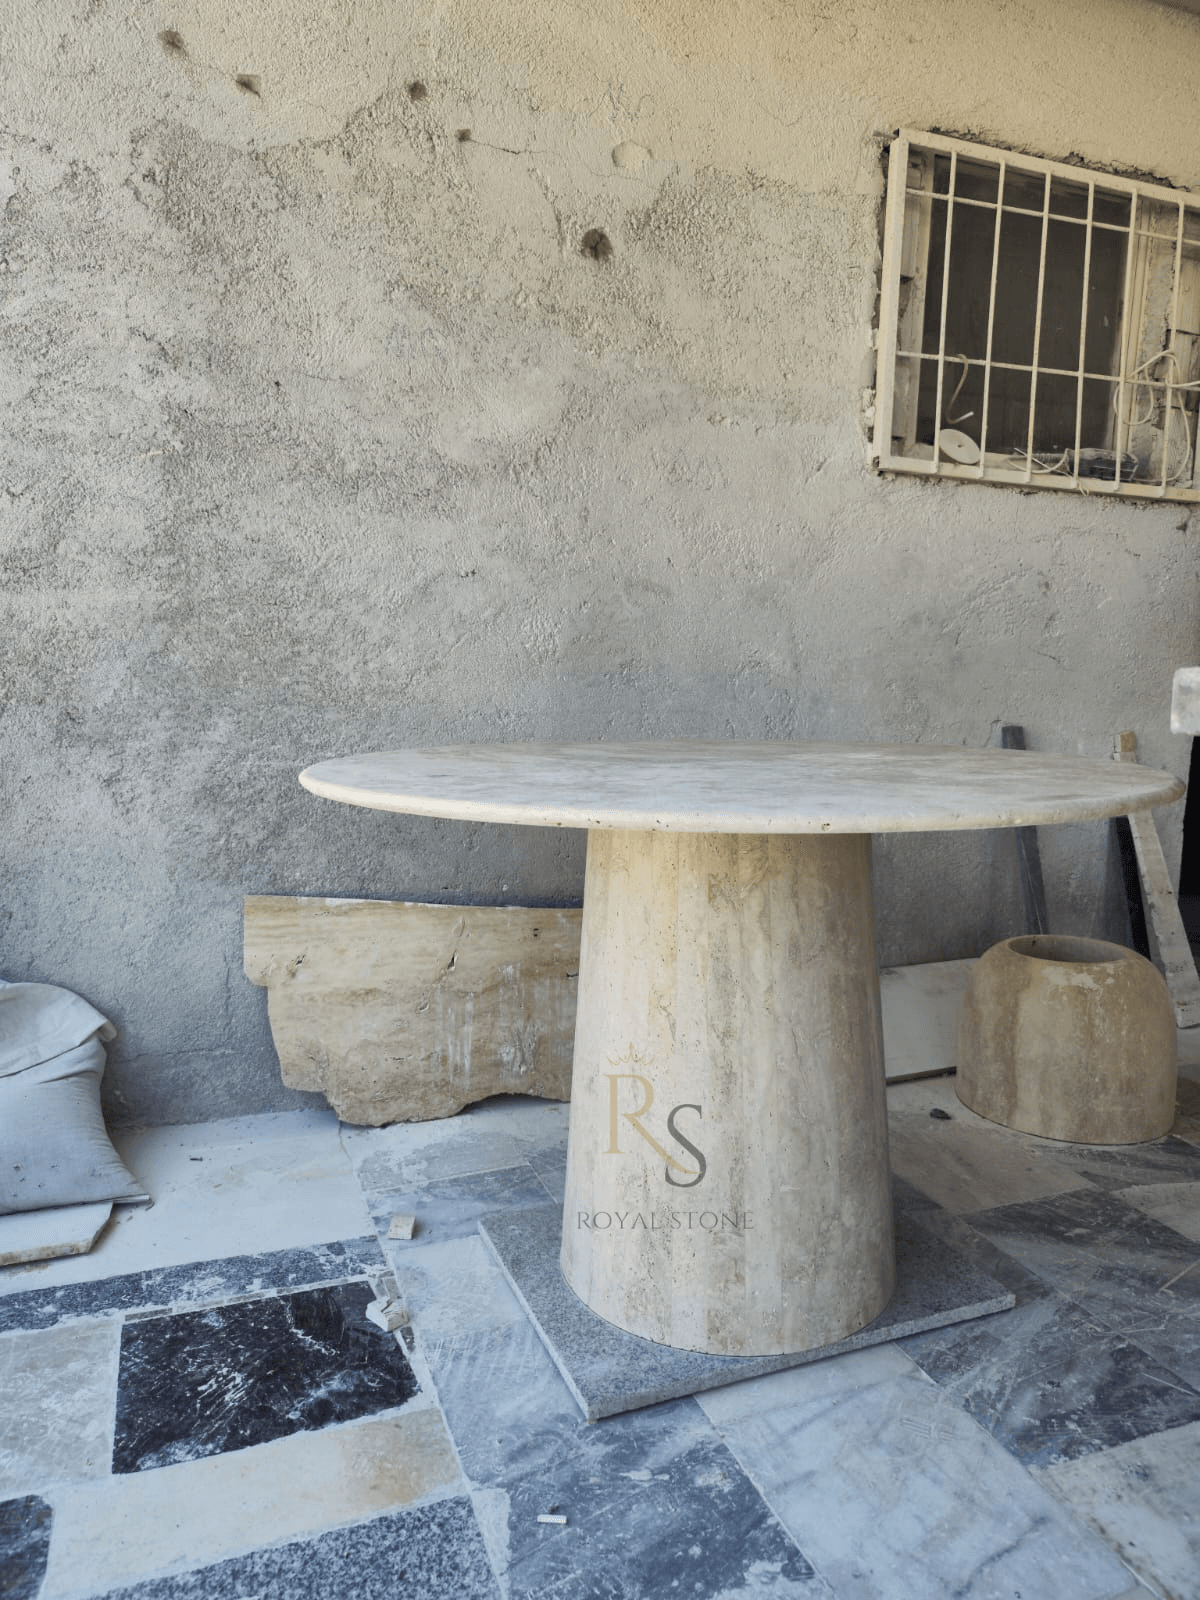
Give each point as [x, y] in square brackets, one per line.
[709, 786]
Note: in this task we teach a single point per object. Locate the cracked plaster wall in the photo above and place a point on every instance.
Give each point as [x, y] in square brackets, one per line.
[322, 433]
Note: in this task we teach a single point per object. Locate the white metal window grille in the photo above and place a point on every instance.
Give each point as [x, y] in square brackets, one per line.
[1039, 324]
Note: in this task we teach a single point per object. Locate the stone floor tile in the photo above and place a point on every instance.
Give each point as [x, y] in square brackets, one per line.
[57, 1391]
[194, 1284]
[25, 1526]
[1120, 1166]
[1177, 1205]
[452, 1288]
[893, 1493]
[236, 1187]
[610, 1370]
[1142, 1498]
[201, 1382]
[655, 1503]
[495, 1133]
[962, 1161]
[126, 1528]
[1050, 1383]
[433, 1552]
[449, 1208]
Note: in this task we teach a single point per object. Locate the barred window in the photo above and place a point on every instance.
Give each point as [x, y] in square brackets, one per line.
[1039, 325]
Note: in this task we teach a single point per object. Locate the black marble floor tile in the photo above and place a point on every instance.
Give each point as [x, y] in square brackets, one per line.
[199, 1383]
[1052, 1383]
[610, 1370]
[434, 1552]
[196, 1283]
[24, 1546]
[450, 1208]
[1168, 1160]
[655, 1502]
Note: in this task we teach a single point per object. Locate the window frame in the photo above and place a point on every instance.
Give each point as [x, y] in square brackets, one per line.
[900, 336]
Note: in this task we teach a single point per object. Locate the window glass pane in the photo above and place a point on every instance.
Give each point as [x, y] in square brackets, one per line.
[1112, 207]
[1024, 189]
[1068, 199]
[976, 180]
[1106, 279]
[1062, 297]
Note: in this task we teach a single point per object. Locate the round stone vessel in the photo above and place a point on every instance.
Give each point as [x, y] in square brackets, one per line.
[1069, 1039]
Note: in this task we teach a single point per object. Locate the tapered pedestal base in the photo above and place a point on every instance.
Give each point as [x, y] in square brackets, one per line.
[727, 1178]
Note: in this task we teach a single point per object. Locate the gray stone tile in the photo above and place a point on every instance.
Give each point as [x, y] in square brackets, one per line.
[1127, 1270]
[198, 1283]
[610, 1371]
[1176, 1205]
[24, 1546]
[1052, 1384]
[551, 1167]
[655, 1502]
[1141, 1497]
[961, 1160]
[894, 1494]
[453, 1288]
[434, 1552]
[450, 1208]
[1118, 1166]
[57, 1390]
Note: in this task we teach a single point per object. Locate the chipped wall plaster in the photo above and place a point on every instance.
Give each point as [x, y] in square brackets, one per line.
[323, 432]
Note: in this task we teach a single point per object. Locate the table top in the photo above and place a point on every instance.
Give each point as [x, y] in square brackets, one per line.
[709, 786]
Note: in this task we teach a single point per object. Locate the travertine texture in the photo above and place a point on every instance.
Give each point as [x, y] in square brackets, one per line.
[748, 786]
[397, 1013]
[727, 1177]
[321, 432]
[1068, 1038]
[1185, 701]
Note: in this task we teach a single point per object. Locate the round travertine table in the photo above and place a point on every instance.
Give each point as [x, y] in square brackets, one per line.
[728, 1187]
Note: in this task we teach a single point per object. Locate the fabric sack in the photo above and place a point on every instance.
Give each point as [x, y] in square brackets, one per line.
[54, 1148]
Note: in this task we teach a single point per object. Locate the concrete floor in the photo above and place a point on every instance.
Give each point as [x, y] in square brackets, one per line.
[198, 1407]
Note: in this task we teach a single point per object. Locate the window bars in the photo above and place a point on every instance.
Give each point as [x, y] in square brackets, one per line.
[1039, 324]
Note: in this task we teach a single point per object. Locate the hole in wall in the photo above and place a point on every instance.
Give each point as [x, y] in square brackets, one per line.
[463, 135]
[596, 244]
[172, 42]
[416, 90]
[248, 83]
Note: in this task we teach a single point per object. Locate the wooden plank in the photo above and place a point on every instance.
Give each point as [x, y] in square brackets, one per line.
[1012, 737]
[1168, 940]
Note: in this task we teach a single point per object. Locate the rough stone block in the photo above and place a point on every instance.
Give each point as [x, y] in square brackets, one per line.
[399, 1012]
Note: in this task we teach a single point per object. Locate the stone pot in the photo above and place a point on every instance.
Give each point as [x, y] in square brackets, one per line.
[1070, 1039]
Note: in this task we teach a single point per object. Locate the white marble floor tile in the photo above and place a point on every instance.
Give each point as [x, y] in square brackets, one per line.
[121, 1529]
[962, 1161]
[57, 1396]
[1142, 1497]
[893, 1492]
[237, 1187]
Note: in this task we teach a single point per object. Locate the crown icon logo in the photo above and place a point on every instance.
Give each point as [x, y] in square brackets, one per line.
[633, 1057]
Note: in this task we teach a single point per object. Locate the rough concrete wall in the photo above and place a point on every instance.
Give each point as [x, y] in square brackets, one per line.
[323, 433]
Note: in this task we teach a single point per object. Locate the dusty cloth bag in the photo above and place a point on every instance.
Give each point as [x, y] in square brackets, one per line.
[54, 1149]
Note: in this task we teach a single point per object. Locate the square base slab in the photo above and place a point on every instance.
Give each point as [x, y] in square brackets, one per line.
[610, 1371]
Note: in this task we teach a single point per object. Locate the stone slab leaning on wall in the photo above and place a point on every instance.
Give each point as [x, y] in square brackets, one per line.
[399, 1012]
